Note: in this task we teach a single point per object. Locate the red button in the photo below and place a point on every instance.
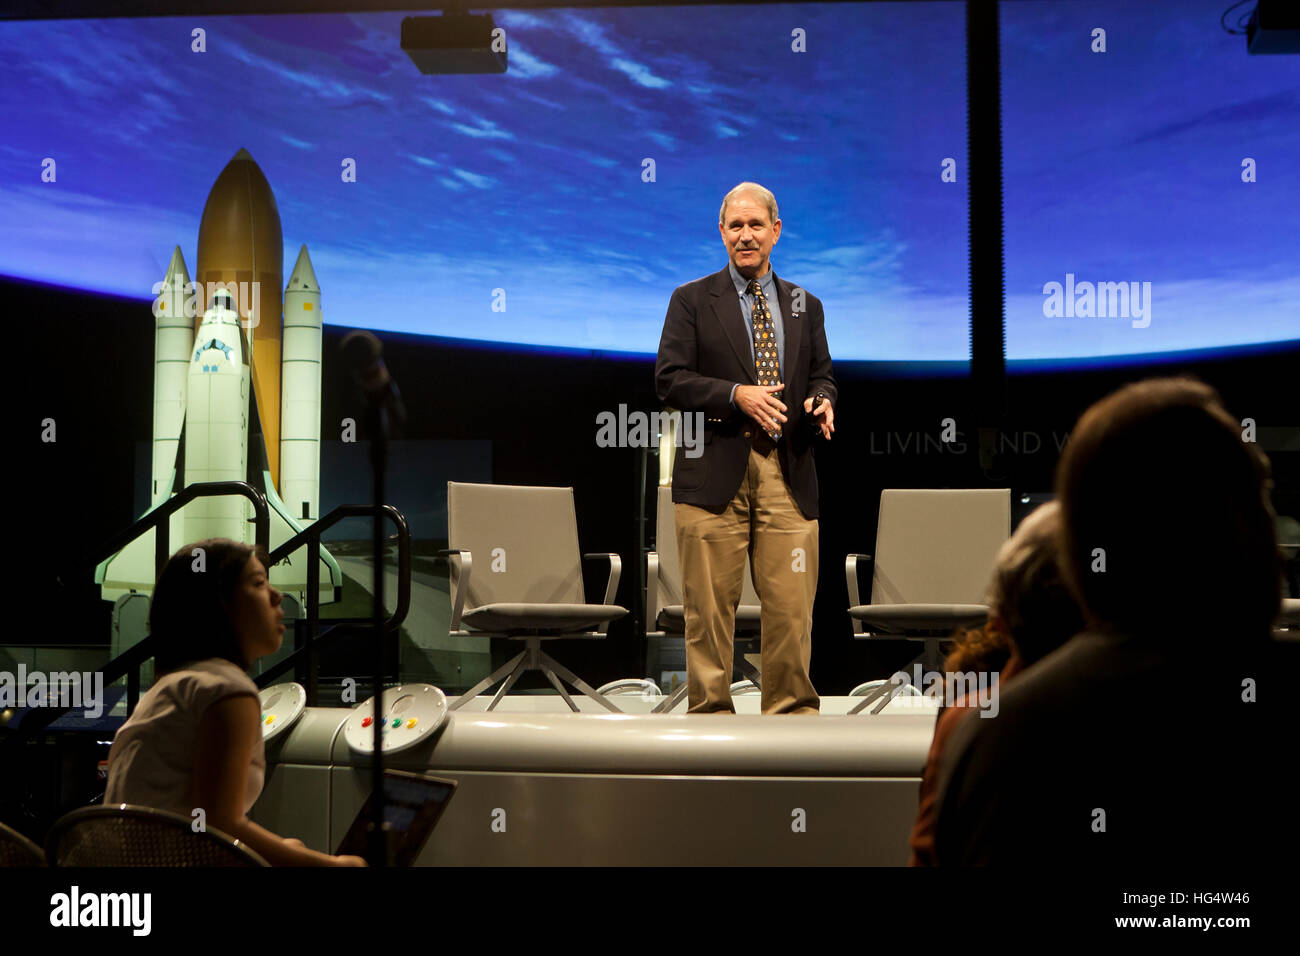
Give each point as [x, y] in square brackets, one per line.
[367, 721]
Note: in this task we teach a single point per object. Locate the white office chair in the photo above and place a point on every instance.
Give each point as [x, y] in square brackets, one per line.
[934, 554]
[516, 573]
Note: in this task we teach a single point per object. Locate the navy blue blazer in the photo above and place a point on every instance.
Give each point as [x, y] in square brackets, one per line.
[703, 352]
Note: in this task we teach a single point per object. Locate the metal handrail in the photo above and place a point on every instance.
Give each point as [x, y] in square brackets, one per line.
[154, 519]
[128, 663]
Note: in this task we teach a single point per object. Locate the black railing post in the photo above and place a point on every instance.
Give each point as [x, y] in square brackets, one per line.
[161, 543]
[133, 688]
[313, 619]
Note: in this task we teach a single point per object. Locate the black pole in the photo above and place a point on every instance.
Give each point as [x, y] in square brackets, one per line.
[378, 426]
[364, 355]
[987, 259]
[638, 603]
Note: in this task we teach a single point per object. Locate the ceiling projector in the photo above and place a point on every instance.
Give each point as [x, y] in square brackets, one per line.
[1274, 27]
[455, 43]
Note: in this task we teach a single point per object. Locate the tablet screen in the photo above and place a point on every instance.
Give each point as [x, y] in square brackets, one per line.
[412, 805]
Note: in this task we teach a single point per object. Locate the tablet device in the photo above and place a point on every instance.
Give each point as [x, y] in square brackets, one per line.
[413, 802]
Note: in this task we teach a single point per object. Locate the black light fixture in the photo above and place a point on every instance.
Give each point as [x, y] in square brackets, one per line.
[1274, 27]
[455, 43]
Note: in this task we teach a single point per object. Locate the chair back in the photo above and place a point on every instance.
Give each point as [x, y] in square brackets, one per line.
[126, 835]
[937, 546]
[17, 850]
[670, 567]
[523, 541]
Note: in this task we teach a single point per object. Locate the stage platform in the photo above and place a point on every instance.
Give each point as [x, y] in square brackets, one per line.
[636, 704]
[541, 785]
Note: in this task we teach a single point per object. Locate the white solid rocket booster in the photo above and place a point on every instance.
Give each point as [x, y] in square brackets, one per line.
[216, 423]
[173, 336]
[300, 394]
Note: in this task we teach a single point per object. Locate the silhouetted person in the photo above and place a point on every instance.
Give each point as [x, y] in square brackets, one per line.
[1031, 613]
[1160, 735]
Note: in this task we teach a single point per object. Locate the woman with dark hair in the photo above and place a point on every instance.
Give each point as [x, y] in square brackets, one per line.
[1031, 614]
[194, 741]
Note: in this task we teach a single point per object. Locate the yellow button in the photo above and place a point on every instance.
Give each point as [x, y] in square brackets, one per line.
[411, 722]
[270, 719]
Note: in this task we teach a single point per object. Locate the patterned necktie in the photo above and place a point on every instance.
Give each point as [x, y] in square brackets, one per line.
[766, 362]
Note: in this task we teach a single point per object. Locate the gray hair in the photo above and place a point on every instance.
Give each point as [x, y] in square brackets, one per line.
[750, 189]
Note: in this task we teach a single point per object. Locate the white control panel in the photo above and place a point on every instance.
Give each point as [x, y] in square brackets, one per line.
[411, 713]
[282, 705]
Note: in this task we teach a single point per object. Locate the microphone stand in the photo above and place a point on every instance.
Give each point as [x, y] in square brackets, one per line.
[364, 355]
[377, 425]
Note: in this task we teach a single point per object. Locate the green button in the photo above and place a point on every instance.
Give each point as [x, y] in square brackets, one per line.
[397, 721]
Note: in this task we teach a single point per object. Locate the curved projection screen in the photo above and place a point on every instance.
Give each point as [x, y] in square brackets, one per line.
[1153, 187]
[576, 191]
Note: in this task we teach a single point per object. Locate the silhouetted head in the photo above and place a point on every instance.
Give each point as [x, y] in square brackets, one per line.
[1028, 594]
[1167, 525]
[214, 599]
[1031, 611]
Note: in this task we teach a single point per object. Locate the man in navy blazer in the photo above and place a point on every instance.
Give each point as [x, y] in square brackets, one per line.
[753, 491]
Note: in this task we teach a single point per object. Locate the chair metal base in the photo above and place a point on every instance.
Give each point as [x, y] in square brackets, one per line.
[742, 664]
[930, 659]
[533, 658]
[888, 691]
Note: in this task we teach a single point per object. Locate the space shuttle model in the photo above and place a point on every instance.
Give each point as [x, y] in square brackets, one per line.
[237, 386]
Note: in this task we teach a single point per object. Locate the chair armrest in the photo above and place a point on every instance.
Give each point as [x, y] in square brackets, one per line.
[611, 587]
[651, 591]
[463, 563]
[851, 578]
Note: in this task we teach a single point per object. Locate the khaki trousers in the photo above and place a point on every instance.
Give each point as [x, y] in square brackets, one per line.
[763, 522]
